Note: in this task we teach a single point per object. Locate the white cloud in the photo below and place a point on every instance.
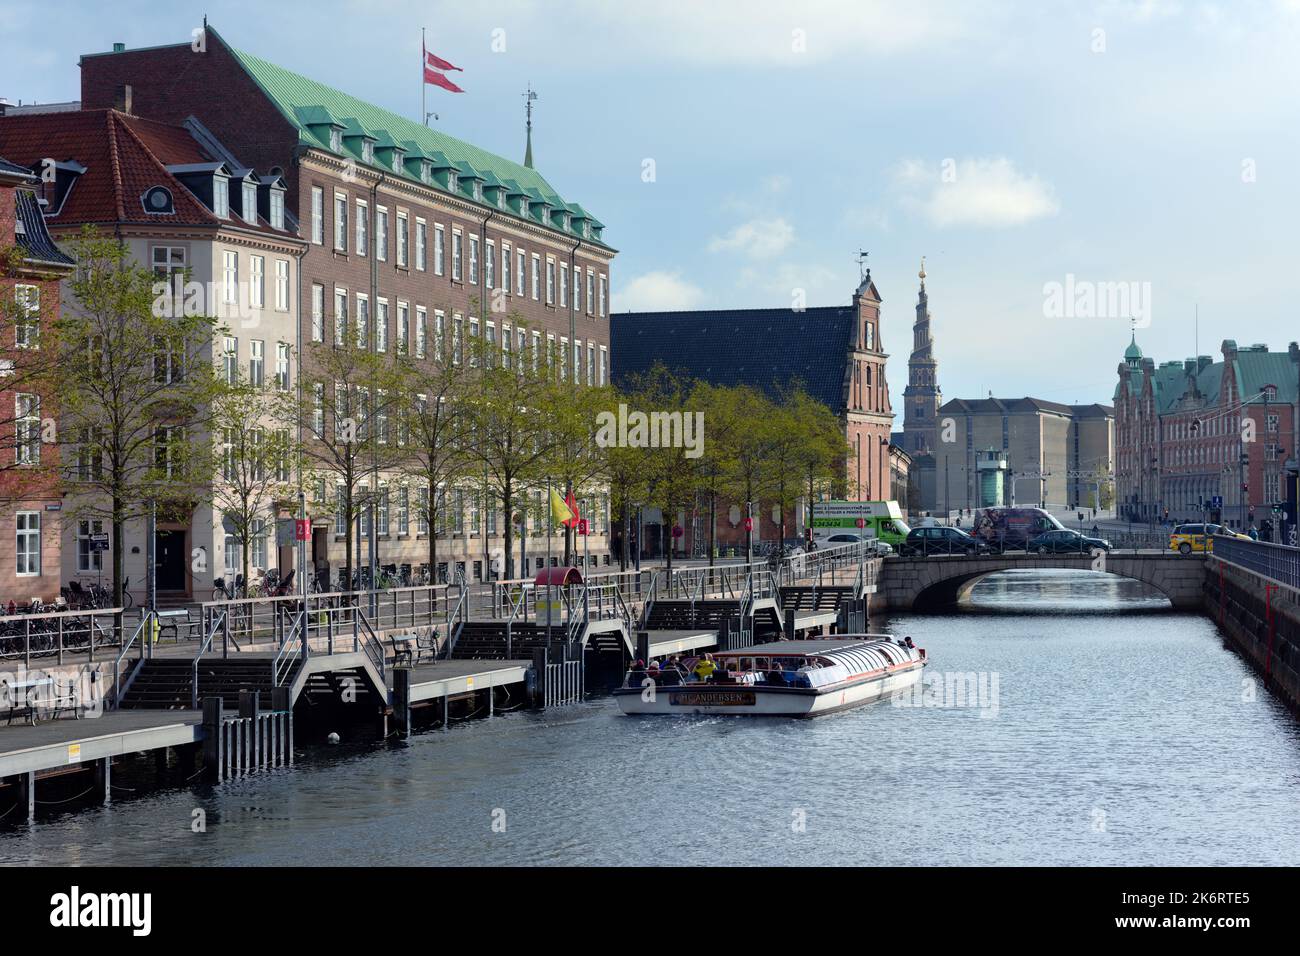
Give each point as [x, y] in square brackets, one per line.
[987, 192]
[758, 238]
[657, 292]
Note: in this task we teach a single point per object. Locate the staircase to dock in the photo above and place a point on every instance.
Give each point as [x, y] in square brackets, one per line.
[486, 640]
[809, 598]
[168, 683]
[679, 615]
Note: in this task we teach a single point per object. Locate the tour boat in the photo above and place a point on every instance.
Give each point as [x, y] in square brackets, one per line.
[780, 679]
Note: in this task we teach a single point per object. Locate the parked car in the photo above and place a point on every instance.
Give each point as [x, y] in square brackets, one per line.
[924, 542]
[1067, 542]
[1186, 538]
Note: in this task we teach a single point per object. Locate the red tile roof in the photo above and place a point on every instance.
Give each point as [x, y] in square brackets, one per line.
[124, 156]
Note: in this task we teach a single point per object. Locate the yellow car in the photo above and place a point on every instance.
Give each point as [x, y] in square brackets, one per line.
[1187, 538]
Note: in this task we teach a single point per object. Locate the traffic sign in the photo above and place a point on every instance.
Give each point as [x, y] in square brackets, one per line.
[861, 522]
[583, 528]
[303, 529]
[678, 531]
[749, 524]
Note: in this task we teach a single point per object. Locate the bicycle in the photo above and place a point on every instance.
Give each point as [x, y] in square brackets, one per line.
[223, 592]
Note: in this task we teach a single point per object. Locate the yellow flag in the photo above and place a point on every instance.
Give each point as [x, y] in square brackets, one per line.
[560, 512]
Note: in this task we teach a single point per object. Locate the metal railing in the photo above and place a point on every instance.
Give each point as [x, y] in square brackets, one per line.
[118, 688]
[218, 621]
[57, 633]
[456, 622]
[1279, 562]
[564, 683]
[293, 651]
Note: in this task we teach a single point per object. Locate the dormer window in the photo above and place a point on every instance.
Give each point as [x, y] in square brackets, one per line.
[398, 157]
[157, 200]
[336, 140]
[501, 199]
[367, 151]
[453, 182]
[426, 171]
[478, 191]
[567, 222]
[221, 197]
[586, 229]
[523, 206]
[250, 201]
[277, 209]
[546, 214]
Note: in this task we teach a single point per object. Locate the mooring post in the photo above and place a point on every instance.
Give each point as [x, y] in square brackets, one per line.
[402, 700]
[104, 778]
[724, 634]
[539, 667]
[643, 646]
[27, 793]
[212, 720]
[789, 624]
[248, 710]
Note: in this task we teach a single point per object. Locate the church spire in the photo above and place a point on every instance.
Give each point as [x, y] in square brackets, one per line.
[921, 274]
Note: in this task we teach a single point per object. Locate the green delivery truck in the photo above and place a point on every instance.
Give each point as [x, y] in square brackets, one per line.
[870, 519]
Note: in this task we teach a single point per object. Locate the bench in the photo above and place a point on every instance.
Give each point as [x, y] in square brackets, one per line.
[174, 620]
[26, 697]
[414, 647]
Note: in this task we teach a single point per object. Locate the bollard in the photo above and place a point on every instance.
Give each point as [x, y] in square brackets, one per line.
[789, 624]
[539, 666]
[724, 634]
[104, 778]
[402, 700]
[212, 749]
[643, 646]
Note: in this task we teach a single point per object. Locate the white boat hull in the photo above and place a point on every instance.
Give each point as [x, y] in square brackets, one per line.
[764, 700]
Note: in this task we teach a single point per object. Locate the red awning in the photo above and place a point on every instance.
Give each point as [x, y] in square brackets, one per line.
[559, 576]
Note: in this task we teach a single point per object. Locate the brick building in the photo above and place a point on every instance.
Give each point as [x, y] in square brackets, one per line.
[31, 268]
[836, 353]
[423, 236]
[1198, 430]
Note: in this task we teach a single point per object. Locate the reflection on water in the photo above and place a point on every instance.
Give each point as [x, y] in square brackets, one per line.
[1122, 735]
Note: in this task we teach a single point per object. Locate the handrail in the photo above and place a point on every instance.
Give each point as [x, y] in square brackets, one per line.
[218, 621]
[453, 630]
[126, 646]
[288, 655]
[374, 649]
[649, 601]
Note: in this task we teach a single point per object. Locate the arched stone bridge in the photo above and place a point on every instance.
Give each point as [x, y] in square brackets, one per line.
[943, 580]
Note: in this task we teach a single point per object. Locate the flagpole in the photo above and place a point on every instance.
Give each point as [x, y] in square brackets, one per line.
[550, 518]
[424, 115]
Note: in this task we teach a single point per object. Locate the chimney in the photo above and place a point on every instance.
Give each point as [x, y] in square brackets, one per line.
[122, 99]
[119, 47]
[4, 105]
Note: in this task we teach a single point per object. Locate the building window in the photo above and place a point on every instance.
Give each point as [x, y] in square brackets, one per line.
[403, 327]
[550, 281]
[403, 510]
[505, 267]
[421, 317]
[537, 277]
[577, 289]
[256, 281]
[564, 285]
[603, 354]
[490, 265]
[256, 362]
[402, 240]
[277, 209]
[27, 543]
[230, 359]
[250, 201]
[282, 366]
[340, 317]
[317, 215]
[455, 255]
[439, 248]
[473, 260]
[457, 326]
[317, 312]
[591, 365]
[421, 244]
[363, 227]
[381, 234]
[604, 291]
[88, 558]
[381, 326]
[282, 284]
[230, 278]
[591, 295]
[521, 269]
[221, 197]
[27, 428]
[363, 320]
[341, 222]
[27, 322]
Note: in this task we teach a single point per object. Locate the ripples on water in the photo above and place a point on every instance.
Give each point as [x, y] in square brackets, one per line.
[1124, 733]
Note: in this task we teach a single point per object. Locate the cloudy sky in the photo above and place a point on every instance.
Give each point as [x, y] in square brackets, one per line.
[743, 150]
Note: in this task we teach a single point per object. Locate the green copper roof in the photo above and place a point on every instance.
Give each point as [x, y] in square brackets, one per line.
[308, 104]
[1132, 352]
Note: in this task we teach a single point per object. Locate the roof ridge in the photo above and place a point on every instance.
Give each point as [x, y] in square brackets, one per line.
[116, 163]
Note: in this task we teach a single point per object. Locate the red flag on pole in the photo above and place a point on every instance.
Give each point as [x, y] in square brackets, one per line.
[432, 64]
[572, 502]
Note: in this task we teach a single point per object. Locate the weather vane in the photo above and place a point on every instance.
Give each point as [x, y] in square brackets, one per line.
[862, 263]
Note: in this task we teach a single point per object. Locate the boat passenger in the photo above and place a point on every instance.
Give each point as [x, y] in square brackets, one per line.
[704, 668]
[637, 675]
[776, 675]
[907, 641]
[653, 672]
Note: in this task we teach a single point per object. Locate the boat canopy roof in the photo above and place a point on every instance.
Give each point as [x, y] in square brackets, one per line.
[858, 655]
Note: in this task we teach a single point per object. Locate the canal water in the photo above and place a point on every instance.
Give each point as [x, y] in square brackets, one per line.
[1067, 718]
